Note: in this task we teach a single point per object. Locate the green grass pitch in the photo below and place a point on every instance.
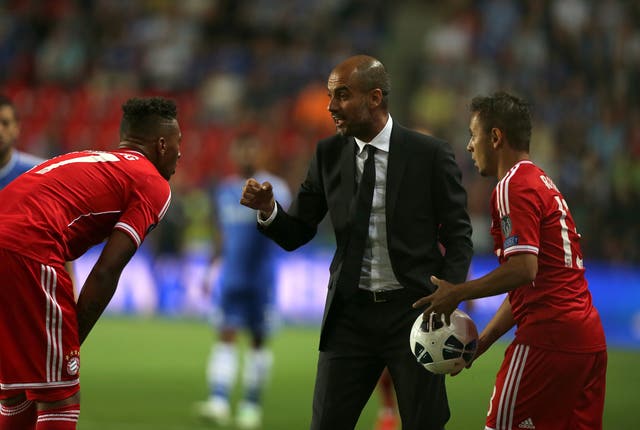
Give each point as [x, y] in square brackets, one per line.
[146, 374]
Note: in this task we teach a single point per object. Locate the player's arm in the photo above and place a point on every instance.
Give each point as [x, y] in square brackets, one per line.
[519, 269]
[102, 281]
[501, 323]
[74, 281]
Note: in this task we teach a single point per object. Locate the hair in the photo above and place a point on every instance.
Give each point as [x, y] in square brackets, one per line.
[6, 101]
[508, 113]
[142, 117]
[371, 74]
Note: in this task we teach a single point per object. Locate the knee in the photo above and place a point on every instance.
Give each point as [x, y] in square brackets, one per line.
[14, 400]
[69, 401]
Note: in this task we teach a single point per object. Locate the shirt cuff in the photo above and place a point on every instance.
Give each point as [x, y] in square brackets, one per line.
[268, 221]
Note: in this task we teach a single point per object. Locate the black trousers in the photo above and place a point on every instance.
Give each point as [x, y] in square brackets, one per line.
[362, 337]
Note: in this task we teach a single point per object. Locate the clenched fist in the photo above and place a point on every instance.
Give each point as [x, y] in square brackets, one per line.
[258, 196]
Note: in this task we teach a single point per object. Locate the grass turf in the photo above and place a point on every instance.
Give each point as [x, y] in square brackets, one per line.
[147, 374]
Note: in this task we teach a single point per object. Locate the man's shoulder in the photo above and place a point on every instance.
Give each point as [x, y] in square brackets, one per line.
[418, 137]
[418, 143]
[524, 174]
[333, 141]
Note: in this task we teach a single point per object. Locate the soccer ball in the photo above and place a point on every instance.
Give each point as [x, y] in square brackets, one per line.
[442, 348]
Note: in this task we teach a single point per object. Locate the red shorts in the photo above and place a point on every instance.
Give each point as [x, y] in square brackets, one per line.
[39, 347]
[550, 390]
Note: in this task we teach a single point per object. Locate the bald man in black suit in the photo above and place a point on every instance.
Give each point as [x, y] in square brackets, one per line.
[390, 215]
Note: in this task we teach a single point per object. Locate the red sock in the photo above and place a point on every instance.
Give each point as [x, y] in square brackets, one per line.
[387, 393]
[18, 417]
[64, 418]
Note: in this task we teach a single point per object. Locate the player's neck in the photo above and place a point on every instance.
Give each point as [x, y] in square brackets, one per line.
[510, 159]
[133, 146]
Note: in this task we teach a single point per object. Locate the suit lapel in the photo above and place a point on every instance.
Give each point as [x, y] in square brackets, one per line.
[398, 156]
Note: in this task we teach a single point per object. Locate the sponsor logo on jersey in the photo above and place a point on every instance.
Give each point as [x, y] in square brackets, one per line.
[527, 424]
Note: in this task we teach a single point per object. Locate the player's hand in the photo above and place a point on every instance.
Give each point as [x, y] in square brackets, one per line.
[468, 366]
[443, 301]
[483, 345]
[258, 196]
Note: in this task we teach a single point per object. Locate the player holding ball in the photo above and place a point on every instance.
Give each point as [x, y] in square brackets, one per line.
[553, 373]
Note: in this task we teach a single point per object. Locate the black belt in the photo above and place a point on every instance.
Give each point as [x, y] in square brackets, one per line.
[380, 296]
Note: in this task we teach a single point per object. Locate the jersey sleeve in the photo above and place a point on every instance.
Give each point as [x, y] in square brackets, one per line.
[148, 202]
[519, 213]
[496, 234]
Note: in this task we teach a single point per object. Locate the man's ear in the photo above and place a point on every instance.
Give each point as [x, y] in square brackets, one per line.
[375, 97]
[497, 138]
[161, 145]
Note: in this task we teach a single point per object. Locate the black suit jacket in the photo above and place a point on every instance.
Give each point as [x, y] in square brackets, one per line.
[425, 205]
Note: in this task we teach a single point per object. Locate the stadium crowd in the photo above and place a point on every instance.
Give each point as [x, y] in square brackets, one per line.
[260, 66]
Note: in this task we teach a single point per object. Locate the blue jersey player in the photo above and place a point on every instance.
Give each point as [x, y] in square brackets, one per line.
[12, 162]
[244, 297]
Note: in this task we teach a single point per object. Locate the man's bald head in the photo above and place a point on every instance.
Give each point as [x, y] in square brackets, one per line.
[366, 73]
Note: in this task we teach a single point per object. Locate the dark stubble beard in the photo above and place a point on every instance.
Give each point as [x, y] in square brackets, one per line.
[360, 127]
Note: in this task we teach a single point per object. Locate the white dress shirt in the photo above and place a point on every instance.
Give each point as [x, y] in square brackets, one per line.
[377, 274]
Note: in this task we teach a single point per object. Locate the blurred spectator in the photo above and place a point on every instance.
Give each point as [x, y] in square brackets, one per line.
[12, 162]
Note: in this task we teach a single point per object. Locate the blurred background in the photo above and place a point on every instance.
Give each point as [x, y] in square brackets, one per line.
[260, 66]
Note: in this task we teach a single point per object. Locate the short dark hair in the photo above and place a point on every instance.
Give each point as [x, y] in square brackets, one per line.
[141, 116]
[507, 112]
[6, 101]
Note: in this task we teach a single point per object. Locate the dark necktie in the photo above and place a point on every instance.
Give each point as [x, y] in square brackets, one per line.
[360, 212]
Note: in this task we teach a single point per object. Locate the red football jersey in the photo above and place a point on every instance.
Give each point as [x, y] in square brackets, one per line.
[59, 209]
[555, 311]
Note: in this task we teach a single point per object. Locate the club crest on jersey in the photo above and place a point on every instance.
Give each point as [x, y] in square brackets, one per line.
[505, 223]
[73, 363]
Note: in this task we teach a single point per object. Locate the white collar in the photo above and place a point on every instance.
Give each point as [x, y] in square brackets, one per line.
[381, 141]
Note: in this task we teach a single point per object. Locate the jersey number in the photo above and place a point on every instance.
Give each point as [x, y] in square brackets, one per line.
[98, 157]
[564, 231]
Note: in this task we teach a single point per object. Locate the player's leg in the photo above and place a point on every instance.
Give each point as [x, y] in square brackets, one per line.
[589, 409]
[520, 382]
[258, 359]
[16, 411]
[222, 369]
[40, 358]
[22, 413]
[222, 365]
[256, 371]
[387, 414]
[538, 388]
[58, 414]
